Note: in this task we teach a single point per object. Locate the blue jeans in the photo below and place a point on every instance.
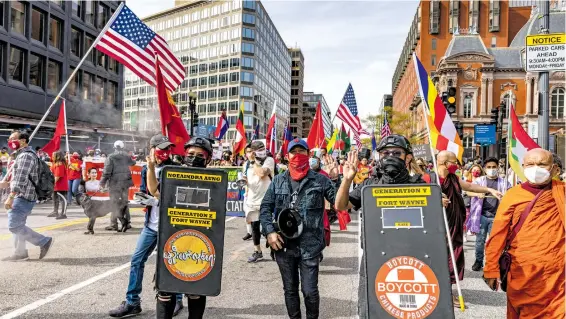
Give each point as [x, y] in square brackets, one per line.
[145, 246]
[485, 229]
[291, 267]
[73, 189]
[17, 217]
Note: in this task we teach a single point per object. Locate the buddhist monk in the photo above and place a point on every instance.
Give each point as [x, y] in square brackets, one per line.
[452, 187]
[535, 281]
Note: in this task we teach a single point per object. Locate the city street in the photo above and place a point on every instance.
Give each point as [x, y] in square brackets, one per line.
[85, 276]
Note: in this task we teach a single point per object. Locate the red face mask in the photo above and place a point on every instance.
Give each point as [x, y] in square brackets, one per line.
[299, 166]
[476, 173]
[14, 145]
[162, 155]
[452, 168]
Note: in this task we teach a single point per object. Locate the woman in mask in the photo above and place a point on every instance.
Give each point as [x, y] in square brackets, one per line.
[59, 169]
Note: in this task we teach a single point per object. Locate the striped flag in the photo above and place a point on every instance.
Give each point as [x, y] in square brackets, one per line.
[442, 132]
[222, 126]
[385, 129]
[287, 138]
[348, 112]
[271, 136]
[519, 144]
[357, 139]
[241, 141]
[129, 41]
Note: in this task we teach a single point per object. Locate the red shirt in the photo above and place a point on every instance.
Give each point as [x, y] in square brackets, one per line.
[59, 170]
[75, 169]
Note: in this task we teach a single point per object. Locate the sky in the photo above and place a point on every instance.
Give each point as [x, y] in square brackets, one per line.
[343, 42]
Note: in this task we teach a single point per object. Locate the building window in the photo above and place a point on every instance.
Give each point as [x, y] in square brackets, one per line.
[454, 15]
[557, 103]
[233, 106]
[234, 62]
[223, 78]
[474, 15]
[211, 107]
[223, 92]
[234, 77]
[112, 65]
[494, 15]
[55, 33]
[202, 95]
[248, 48]
[88, 43]
[468, 104]
[53, 76]
[203, 68]
[193, 83]
[111, 96]
[249, 19]
[86, 89]
[202, 81]
[37, 25]
[493, 42]
[433, 59]
[36, 67]
[60, 3]
[101, 16]
[433, 44]
[77, 9]
[18, 13]
[234, 91]
[248, 34]
[98, 89]
[224, 64]
[89, 11]
[213, 80]
[248, 63]
[249, 4]
[434, 17]
[194, 69]
[211, 94]
[16, 68]
[76, 42]
[213, 66]
[101, 59]
[73, 88]
[468, 142]
[246, 91]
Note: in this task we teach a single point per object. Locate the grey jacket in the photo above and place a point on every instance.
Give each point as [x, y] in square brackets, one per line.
[117, 173]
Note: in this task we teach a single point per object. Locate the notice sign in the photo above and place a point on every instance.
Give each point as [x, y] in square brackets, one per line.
[546, 52]
[407, 288]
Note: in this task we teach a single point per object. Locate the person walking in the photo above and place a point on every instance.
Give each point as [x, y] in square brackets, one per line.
[22, 198]
[74, 176]
[59, 169]
[117, 177]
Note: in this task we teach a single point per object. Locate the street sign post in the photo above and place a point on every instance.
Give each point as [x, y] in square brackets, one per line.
[406, 253]
[485, 134]
[546, 52]
[190, 245]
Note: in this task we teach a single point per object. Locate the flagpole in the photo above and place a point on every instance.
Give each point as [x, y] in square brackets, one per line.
[64, 105]
[58, 96]
[508, 140]
[450, 247]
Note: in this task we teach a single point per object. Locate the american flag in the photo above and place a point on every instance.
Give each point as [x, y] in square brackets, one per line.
[357, 139]
[348, 112]
[385, 129]
[132, 43]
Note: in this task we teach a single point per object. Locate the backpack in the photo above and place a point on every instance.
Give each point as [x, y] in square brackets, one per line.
[46, 180]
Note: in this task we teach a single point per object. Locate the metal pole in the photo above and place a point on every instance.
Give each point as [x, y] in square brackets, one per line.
[543, 116]
[192, 109]
[138, 116]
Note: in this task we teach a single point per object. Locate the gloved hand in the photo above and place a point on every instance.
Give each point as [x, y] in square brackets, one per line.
[145, 199]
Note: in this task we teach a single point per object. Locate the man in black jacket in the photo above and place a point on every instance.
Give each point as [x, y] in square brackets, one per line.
[118, 179]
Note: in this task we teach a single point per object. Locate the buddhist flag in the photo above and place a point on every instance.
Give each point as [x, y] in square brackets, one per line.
[241, 140]
[519, 144]
[445, 138]
[55, 143]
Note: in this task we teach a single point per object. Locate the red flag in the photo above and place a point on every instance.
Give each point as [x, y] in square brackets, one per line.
[316, 134]
[271, 134]
[171, 122]
[55, 143]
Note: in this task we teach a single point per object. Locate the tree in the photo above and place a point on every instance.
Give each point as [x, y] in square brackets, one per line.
[400, 123]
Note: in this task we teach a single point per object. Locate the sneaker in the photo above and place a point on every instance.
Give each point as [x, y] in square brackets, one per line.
[45, 248]
[15, 257]
[61, 217]
[114, 228]
[178, 307]
[257, 255]
[53, 214]
[125, 310]
[247, 237]
[477, 266]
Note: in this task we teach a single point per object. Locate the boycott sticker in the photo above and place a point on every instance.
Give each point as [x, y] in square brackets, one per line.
[407, 288]
[189, 255]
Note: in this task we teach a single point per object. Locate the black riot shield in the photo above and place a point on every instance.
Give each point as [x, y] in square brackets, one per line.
[406, 252]
[190, 246]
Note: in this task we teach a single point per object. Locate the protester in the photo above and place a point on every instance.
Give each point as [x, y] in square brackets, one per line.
[59, 169]
[198, 154]
[4, 158]
[303, 190]
[483, 208]
[258, 172]
[529, 225]
[117, 177]
[74, 176]
[22, 198]
[248, 152]
[452, 187]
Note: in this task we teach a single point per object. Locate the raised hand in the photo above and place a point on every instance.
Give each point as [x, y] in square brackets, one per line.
[350, 167]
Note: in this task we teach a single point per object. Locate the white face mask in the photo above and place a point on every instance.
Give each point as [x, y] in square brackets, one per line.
[492, 172]
[537, 175]
[261, 154]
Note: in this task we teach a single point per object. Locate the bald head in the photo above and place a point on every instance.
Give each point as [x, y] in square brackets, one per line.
[539, 157]
[447, 163]
[444, 156]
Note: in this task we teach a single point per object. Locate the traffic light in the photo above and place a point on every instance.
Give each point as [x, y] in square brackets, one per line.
[494, 116]
[451, 100]
[195, 120]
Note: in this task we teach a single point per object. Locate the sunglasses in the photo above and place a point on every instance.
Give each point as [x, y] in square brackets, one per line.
[392, 153]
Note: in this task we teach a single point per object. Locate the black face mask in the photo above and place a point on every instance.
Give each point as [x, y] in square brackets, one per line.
[195, 161]
[226, 157]
[394, 170]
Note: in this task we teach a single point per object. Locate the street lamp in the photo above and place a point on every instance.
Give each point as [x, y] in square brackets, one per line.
[192, 106]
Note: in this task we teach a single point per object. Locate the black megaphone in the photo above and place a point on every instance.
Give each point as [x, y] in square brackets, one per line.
[290, 223]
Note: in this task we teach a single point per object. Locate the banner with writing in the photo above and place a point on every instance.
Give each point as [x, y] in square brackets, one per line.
[136, 177]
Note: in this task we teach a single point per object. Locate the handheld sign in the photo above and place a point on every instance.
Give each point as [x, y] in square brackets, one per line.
[406, 252]
[191, 230]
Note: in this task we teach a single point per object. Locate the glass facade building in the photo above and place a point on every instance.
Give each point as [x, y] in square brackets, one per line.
[309, 106]
[232, 52]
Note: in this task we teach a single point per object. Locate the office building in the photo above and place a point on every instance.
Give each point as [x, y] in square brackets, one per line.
[297, 81]
[386, 101]
[41, 43]
[310, 103]
[231, 51]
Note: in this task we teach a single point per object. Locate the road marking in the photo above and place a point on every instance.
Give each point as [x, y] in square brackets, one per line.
[36, 304]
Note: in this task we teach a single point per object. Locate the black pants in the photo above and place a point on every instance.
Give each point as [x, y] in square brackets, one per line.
[256, 235]
[292, 267]
[166, 306]
[119, 199]
[57, 199]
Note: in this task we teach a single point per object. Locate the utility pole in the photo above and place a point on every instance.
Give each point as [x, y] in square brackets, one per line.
[544, 109]
[138, 116]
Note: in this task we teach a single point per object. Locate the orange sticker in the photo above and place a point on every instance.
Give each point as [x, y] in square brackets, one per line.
[189, 255]
[407, 288]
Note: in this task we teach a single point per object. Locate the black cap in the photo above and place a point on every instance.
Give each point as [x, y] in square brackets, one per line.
[160, 141]
[395, 140]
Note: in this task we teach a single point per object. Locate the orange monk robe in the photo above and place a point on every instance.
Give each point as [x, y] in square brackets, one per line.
[535, 283]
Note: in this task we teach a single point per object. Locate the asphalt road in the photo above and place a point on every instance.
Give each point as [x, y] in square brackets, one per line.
[84, 276]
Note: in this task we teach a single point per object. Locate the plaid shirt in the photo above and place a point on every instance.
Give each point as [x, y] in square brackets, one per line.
[25, 167]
